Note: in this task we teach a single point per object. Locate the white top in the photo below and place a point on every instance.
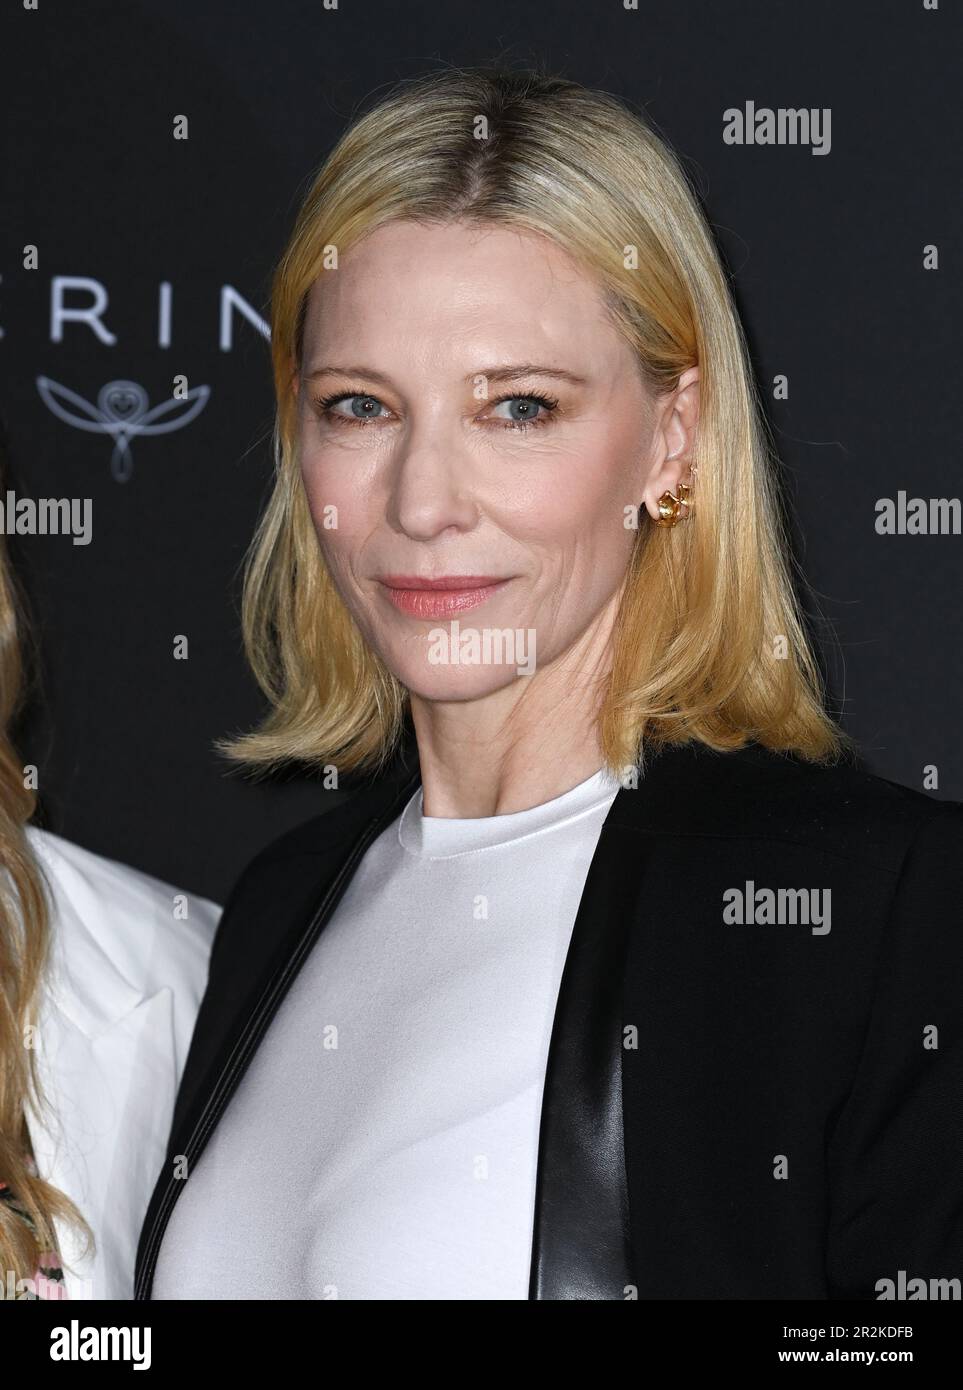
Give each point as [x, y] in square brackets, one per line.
[383, 1142]
[125, 981]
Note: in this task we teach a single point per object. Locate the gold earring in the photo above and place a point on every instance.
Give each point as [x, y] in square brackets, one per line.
[671, 507]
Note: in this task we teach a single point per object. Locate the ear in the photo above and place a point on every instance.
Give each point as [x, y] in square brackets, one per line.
[673, 441]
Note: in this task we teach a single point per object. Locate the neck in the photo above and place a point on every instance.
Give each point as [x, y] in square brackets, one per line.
[519, 746]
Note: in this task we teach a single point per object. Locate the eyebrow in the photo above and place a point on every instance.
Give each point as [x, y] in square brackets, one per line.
[506, 372]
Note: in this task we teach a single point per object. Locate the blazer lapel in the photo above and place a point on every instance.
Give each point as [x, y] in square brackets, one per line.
[581, 1247]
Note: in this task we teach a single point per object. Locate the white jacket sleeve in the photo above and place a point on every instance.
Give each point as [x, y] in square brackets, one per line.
[127, 972]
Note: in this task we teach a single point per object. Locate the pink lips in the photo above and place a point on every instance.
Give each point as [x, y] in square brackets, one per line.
[437, 598]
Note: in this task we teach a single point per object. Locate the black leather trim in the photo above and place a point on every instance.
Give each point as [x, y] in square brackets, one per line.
[581, 1246]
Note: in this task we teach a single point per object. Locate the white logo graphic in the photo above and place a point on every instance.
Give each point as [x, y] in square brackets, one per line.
[121, 411]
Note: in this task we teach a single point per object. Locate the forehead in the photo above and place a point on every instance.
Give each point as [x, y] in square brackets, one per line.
[437, 293]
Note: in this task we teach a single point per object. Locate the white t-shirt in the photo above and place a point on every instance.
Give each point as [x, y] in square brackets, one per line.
[383, 1142]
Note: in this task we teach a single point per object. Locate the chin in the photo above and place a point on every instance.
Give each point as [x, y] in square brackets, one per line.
[449, 683]
[456, 662]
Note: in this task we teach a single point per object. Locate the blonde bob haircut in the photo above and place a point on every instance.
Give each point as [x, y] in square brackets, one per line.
[709, 641]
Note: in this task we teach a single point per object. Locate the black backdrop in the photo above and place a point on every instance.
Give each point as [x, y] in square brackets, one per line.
[828, 254]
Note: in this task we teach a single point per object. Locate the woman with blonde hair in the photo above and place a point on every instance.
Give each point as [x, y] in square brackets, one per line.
[102, 968]
[616, 977]
[28, 1203]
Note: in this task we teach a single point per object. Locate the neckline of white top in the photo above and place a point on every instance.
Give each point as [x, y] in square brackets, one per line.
[444, 837]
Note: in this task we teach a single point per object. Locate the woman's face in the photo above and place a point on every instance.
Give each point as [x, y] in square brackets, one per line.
[487, 421]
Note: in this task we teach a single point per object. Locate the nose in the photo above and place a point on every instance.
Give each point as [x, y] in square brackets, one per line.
[432, 483]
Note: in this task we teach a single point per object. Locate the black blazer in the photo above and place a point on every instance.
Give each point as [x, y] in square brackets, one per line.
[732, 1109]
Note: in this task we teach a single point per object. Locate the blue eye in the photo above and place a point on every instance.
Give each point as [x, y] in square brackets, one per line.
[526, 410]
[363, 407]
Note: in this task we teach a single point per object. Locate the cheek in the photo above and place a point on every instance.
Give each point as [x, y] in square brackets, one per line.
[575, 500]
[338, 500]
[339, 519]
